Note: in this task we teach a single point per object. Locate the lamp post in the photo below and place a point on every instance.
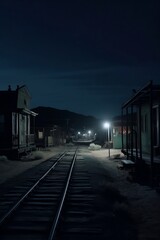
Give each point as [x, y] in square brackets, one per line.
[78, 135]
[107, 125]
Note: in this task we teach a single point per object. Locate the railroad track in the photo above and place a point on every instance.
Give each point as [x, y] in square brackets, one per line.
[59, 205]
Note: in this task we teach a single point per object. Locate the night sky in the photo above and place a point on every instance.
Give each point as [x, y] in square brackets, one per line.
[82, 56]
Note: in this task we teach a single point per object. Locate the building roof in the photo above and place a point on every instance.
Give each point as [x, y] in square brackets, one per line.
[16, 100]
[145, 93]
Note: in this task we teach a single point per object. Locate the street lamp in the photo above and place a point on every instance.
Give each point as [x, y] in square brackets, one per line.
[89, 133]
[107, 125]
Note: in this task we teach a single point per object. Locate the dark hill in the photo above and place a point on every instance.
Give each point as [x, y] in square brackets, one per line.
[48, 116]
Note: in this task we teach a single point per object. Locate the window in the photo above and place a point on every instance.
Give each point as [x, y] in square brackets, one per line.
[145, 122]
[142, 123]
[155, 126]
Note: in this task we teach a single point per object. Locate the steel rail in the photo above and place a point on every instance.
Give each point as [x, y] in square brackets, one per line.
[59, 209]
[8, 214]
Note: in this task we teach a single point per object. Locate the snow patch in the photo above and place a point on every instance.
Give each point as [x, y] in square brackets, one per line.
[93, 147]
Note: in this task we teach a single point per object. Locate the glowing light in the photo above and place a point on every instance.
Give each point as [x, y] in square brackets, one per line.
[106, 125]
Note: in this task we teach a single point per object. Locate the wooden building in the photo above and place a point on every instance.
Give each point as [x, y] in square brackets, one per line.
[16, 135]
[145, 103]
[49, 136]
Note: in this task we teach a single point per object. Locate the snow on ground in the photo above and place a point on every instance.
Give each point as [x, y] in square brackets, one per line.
[144, 200]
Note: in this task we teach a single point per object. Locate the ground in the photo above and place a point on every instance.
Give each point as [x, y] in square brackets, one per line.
[143, 201]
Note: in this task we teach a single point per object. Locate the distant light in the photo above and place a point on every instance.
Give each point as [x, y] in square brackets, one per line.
[79, 133]
[89, 132]
[106, 125]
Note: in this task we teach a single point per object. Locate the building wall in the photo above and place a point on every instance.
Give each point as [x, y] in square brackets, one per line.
[117, 138]
[5, 130]
[146, 131]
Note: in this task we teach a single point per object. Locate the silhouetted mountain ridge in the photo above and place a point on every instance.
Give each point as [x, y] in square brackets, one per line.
[48, 116]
